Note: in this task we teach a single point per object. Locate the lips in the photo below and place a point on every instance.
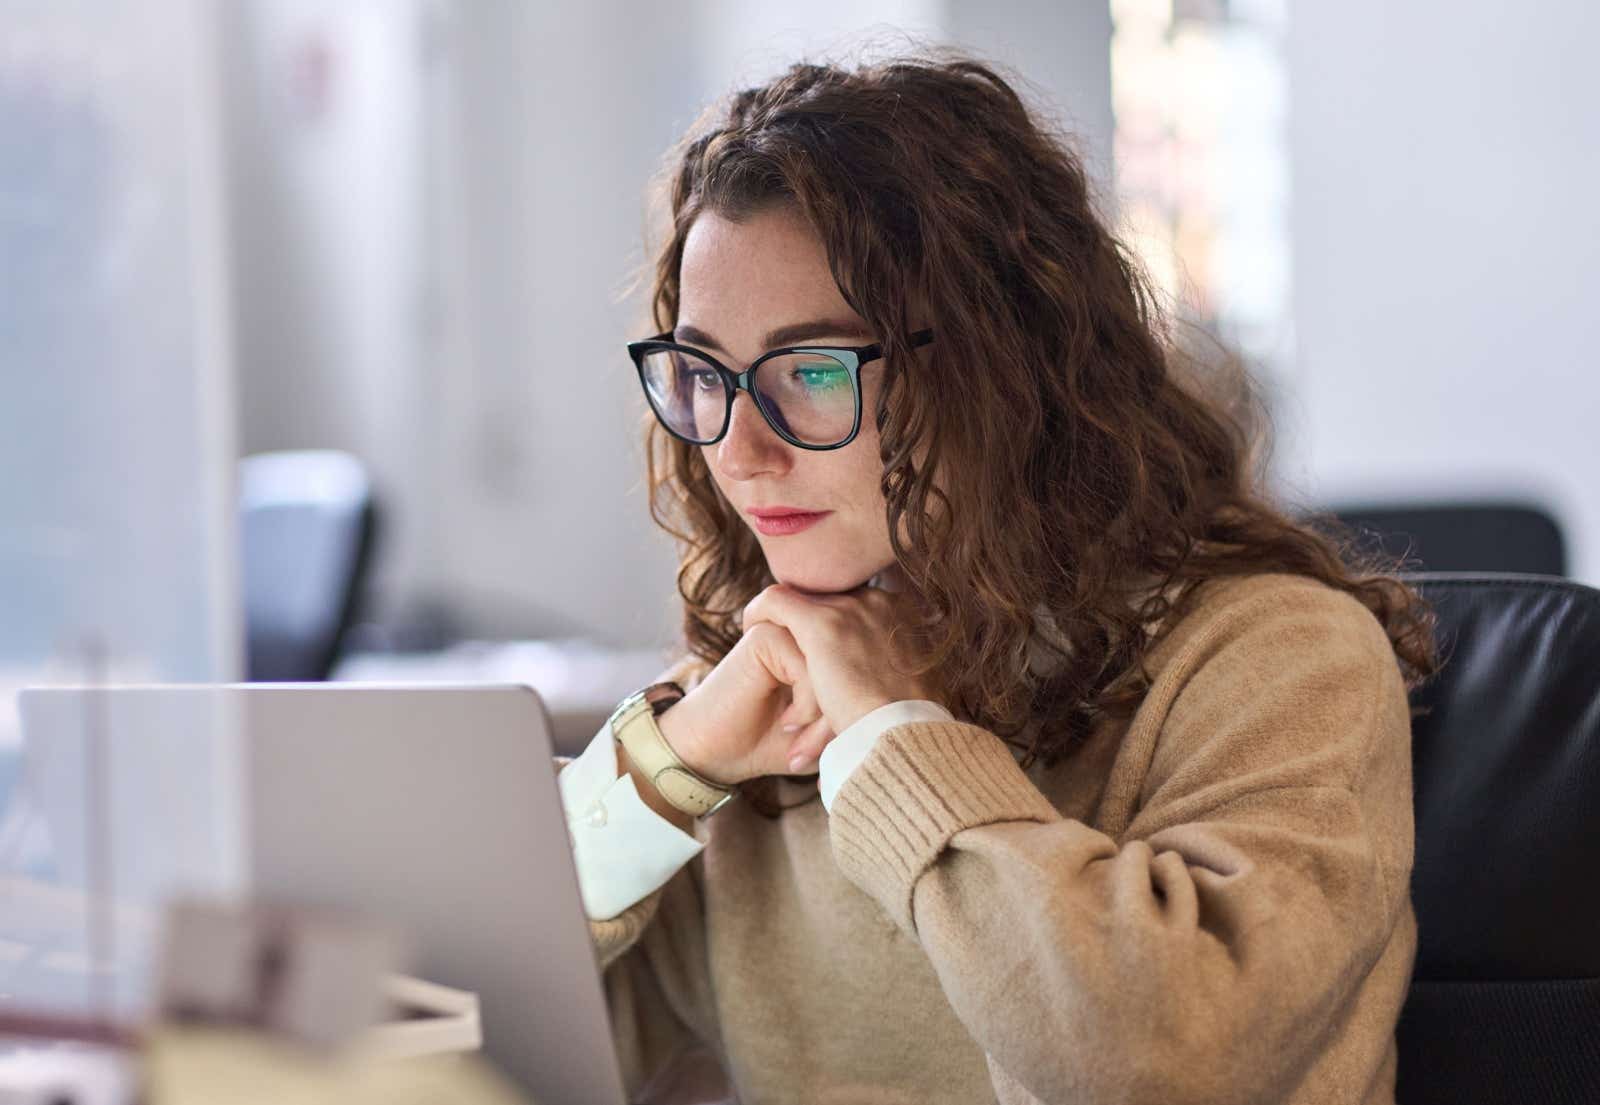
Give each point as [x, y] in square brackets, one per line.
[782, 521]
[780, 511]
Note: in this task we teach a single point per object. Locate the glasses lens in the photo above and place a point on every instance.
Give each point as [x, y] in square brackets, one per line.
[811, 396]
[687, 393]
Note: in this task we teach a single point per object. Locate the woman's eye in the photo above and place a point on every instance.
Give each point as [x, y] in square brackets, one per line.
[704, 381]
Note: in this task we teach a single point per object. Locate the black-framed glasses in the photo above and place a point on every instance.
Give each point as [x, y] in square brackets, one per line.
[809, 394]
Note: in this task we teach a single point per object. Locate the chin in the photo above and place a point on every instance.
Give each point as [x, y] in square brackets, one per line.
[820, 578]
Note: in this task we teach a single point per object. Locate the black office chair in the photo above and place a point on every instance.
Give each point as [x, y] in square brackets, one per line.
[307, 526]
[1462, 536]
[1504, 1005]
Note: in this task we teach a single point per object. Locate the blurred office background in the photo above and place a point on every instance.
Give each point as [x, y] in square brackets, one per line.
[402, 230]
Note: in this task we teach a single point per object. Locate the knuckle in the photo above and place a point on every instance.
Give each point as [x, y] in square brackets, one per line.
[763, 633]
[832, 616]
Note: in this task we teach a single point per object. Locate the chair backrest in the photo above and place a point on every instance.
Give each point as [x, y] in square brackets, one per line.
[1504, 1003]
[306, 522]
[1464, 536]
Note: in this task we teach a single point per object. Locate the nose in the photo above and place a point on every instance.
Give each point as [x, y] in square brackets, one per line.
[751, 447]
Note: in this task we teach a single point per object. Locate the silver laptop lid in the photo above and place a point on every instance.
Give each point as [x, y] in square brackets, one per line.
[433, 808]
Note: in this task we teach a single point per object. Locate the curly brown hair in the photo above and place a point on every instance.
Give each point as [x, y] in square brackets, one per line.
[1092, 455]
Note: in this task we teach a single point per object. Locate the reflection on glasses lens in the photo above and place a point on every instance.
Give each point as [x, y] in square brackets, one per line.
[810, 396]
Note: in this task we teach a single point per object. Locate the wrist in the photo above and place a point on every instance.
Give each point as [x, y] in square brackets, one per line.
[678, 727]
[652, 797]
[658, 770]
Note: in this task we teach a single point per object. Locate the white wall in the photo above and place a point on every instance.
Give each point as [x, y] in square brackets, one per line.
[1446, 160]
[1063, 52]
[559, 116]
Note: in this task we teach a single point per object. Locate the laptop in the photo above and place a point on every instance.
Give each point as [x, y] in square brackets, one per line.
[431, 809]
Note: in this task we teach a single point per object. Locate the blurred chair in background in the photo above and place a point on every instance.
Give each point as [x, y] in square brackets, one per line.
[1505, 993]
[1463, 537]
[307, 525]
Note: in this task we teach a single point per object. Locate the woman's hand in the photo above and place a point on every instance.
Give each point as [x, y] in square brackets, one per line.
[844, 641]
[738, 723]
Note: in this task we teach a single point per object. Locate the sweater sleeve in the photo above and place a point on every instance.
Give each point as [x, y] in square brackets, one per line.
[844, 753]
[1210, 950]
[623, 849]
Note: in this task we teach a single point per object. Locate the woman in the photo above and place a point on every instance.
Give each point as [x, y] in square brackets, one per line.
[1064, 767]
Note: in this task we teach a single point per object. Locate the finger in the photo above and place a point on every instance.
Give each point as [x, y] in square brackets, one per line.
[804, 708]
[778, 652]
[781, 605]
[806, 749]
[746, 618]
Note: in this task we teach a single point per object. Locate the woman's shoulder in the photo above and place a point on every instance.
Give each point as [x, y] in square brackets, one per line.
[1247, 605]
[1230, 596]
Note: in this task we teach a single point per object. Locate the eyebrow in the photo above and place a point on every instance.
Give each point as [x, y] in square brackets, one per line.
[784, 335]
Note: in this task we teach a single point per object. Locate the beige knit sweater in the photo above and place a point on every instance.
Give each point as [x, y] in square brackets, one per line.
[1209, 903]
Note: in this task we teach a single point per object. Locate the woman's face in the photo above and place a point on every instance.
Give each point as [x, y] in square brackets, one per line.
[740, 284]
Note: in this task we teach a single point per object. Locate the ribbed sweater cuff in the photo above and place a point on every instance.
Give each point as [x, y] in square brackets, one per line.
[922, 784]
[615, 935]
